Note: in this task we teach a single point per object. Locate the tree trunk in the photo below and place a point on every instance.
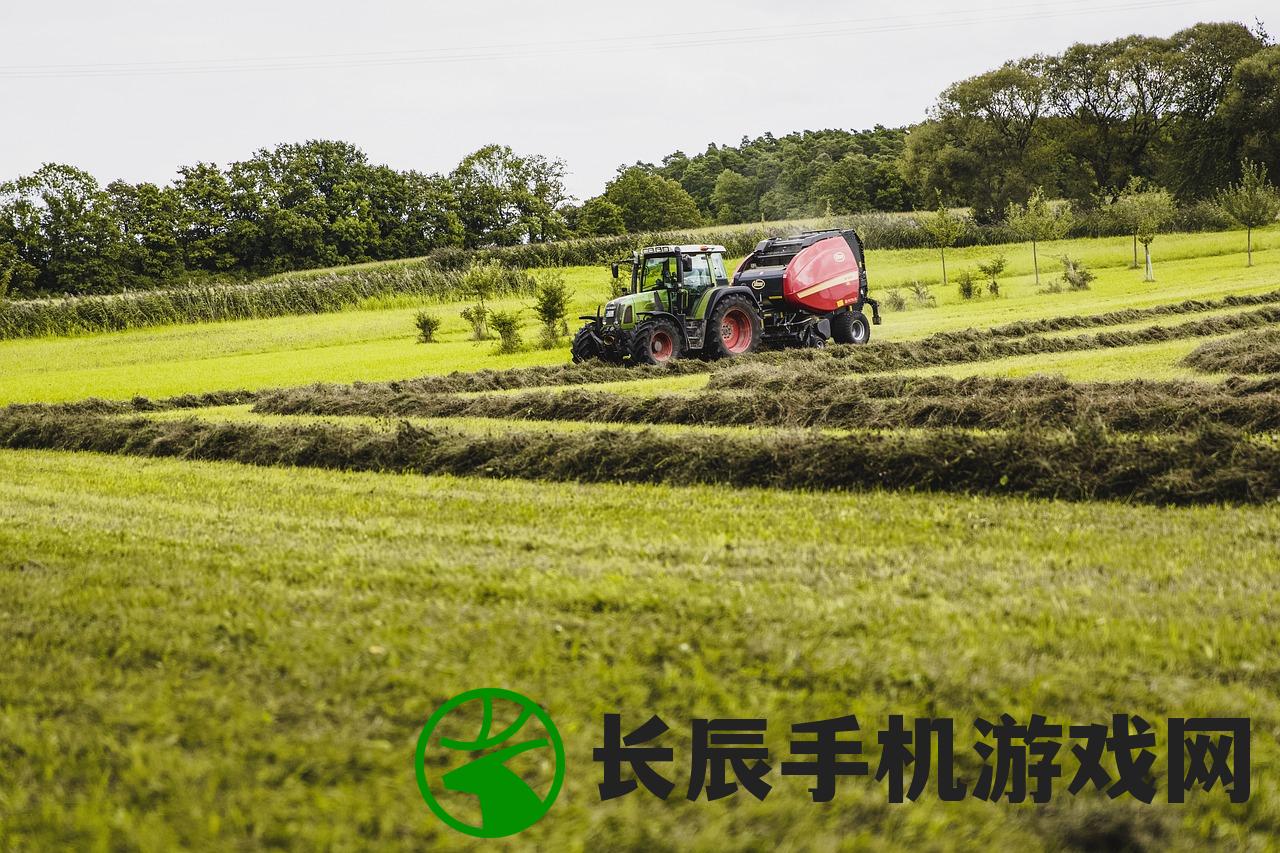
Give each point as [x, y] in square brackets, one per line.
[1249, 242]
[1134, 265]
[1035, 262]
[944, 267]
[1151, 273]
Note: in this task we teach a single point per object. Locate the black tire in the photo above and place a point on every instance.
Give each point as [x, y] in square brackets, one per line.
[655, 341]
[585, 347]
[735, 327]
[850, 327]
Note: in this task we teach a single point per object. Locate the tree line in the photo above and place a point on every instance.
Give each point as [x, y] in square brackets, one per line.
[1180, 112]
[1177, 114]
[295, 206]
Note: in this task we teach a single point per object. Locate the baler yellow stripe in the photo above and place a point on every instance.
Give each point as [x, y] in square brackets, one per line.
[829, 283]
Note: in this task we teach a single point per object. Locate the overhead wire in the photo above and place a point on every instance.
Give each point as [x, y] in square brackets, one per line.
[844, 29]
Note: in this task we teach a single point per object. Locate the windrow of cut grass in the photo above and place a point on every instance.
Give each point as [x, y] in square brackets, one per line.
[982, 404]
[1251, 352]
[281, 296]
[939, 349]
[1085, 463]
[1022, 328]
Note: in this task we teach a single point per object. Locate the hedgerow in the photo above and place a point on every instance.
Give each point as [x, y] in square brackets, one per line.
[293, 294]
[1085, 463]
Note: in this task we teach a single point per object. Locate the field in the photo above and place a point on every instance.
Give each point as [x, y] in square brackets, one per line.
[231, 596]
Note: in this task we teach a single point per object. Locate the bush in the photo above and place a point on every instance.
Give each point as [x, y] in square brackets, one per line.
[507, 325]
[478, 316]
[894, 299]
[427, 324]
[967, 284]
[1203, 215]
[1075, 275]
[992, 270]
[551, 304]
[923, 295]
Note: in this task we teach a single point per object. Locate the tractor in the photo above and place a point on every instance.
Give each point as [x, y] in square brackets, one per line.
[790, 291]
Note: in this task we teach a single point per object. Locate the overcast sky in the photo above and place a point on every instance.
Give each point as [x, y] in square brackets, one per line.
[134, 90]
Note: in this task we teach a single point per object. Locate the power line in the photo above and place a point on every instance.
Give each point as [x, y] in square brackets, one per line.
[846, 28]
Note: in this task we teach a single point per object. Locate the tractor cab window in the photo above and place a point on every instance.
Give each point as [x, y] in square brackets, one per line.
[717, 267]
[699, 276]
[659, 272]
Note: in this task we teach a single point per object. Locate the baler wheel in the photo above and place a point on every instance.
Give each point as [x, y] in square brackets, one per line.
[850, 327]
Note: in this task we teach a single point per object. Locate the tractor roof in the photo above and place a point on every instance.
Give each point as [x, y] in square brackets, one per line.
[691, 249]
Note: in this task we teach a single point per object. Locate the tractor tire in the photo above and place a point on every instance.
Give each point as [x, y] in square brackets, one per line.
[655, 341]
[735, 327]
[585, 347]
[850, 327]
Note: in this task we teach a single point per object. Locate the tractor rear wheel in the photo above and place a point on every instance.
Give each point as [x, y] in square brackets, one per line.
[850, 327]
[655, 341]
[735, 327]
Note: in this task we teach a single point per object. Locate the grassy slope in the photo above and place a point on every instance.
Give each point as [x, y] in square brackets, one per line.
[236, 657]
[377, 343]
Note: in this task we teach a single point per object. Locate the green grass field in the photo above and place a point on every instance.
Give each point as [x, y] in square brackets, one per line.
[217, 656]
[236, 657]
[377, 343]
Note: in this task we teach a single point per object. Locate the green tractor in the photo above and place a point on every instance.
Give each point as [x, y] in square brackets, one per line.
[674, 291]
[791, 291]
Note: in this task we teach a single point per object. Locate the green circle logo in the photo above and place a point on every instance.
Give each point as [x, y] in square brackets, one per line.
[483, 783]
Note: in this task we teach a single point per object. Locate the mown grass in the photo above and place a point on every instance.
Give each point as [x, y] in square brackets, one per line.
[808, 400]
[216, 656]
[1210, 464]
[1249, 352]
[378, 343]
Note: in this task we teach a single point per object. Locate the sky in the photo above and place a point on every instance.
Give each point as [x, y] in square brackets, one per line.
[135, 90]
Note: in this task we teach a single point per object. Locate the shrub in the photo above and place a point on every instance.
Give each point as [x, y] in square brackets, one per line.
[507, 325]
[478, 316]
[923, 295]
[992, 270]
[428, 324]
[967, 284]
[551, 304]
[1075, 275]
[894, 299]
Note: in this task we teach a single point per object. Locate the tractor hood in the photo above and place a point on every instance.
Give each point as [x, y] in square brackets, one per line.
[622, 312]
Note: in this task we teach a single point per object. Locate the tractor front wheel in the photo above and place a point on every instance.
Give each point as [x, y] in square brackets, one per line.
[585, 346]
[655, 341]
[735, 327]
[850, 327]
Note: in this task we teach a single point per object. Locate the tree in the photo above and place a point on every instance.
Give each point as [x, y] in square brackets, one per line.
[944, 228]
[1153, 210]
[506, 199]
[992, 147]
[650, 202]
[148, 219]
[1126, 208]
[8, 260]
[600, 217]
[1038, 221]
[1253, 202]
[734, 198]
[65, 231]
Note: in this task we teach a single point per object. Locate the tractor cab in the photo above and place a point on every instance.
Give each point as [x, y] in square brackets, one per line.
[694, 268]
